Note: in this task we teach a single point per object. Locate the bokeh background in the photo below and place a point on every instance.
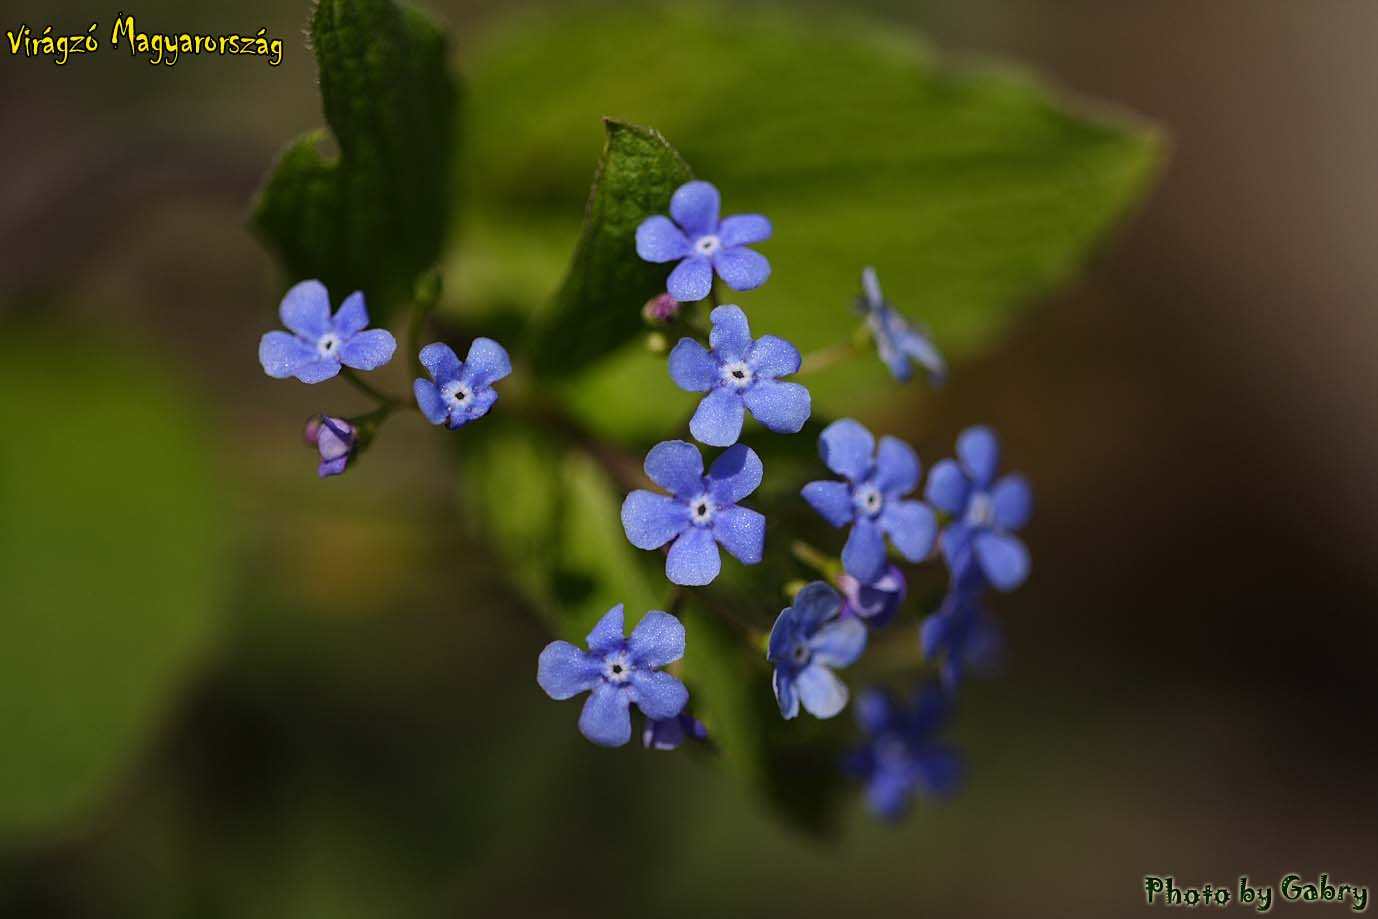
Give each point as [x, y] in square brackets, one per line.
[355, 730]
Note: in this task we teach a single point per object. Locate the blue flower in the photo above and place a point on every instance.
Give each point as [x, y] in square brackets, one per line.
[462, 392]
[619, 672]
[874, 604]
[871, 498]
[699, 513]
[896, 340]
[669, 733]
[739, 374]
[320, 343]
[964, 634]
[702, 245]
[984, 511]
[807, 640]
[335, 439]
[900, 756]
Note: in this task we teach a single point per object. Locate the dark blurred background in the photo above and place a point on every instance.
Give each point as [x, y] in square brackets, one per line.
[1190, 686]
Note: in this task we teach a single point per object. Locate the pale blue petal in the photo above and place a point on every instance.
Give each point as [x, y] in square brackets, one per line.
[1004, 559]
[651, 520]
[870, 287]
[564, 671]
[742, 532]
[743, 229]
[922, 350]
[1012, 502]
[282, 354]
[657, 640]
[730, 337]
[305, 309]
[659, 240]
[658, 694]
[814, 604]
[821, 693]
[677, 467]
[839, 643]
[979, 452]
[605, 719]
[831, 499]
[317, 371]
[846, 448]
[887, 794]
[875, 711]
[694, 205]
[607, 634]
[897, 467]
[741, 268]
[718, 419]
[429, 400]
[735, 474]
[692, 367]
[440, 361]
[939, 771]
[864, 554]
[782, 635]
[783, 684]
[693, 560]
[781, 407]
[486, 363]
[911, 526]
[352, 317]
[368, 350]
[691, 280]
[955, 542]
[772, 357]
[948, 487]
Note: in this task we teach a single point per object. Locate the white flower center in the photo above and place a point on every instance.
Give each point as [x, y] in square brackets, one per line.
[328, 345]
[737, 374]
[707, 245]
[869, 500]
[701, 511]
[980, 510]
[457, 394]
[617, 668]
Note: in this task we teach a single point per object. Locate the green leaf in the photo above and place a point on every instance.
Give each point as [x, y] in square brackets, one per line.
[111, 555]
[599, 304]
[374, 218]
[973, 191]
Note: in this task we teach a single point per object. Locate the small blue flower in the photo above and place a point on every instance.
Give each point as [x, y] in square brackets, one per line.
[964, 634]
[699, 513]
[335, 439]
[871, 498]
[702, 245]
[807, 640]
[669, 733]
[320, 343]
[984, 511]
[739, 374]
[900, 756]
[874, 604]
[619, 672]
[896, 340]
[462, 392]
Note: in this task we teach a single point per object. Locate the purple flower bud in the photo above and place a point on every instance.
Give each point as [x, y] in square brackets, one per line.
[311, 434]
[669, 733]
[335, 438]
[874, 604]
[660, 309]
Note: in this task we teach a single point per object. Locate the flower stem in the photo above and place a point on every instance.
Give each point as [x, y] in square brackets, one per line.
[825, 565]
[827, 357]
[377, 395]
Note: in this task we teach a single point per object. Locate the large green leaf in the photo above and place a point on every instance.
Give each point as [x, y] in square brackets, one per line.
[972, 191]
[110, 561]
[373, 219]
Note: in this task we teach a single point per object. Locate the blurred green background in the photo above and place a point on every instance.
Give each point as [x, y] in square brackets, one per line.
[261, 694]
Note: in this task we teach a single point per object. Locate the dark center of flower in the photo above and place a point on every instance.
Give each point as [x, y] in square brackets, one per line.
[327, 344]
[869, 500]
[707, 245]
[617, 669]
[800, 653]
[737, 374]
[701, 510]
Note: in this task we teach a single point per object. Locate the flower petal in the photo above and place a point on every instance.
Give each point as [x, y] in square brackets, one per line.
[782, 682]
[694, 205]
[782, 635]
[948, 487]
[735, 474]
[658, 694]
[352, 316]
[781, 407]
[317, 371]
[911, 526]
[864, 554]
[691, 366]
[887, 794]
[305, 309]
[677, 467]
[846, 447]
[730, 337]
[486, 363]
[440, 361]
[917, 346]
[651, 520]
[955, 542]
[564, 671]
[1012, 502]
[814, 604]
[429, 400]
[693, 560]
[657, 640]
[741, 268]
[691, 280]
[743, 229]
[718, 419]
[659, 240]
[771, 357]
[875, 711]
[605, 719]
[329, 467]
[742, 532]
[368, 350]
[832, 499]
[1003, 559]
[897, 467]
[979, 452]
[870, 288]
[607, 632]
[282, 355]
[821, 693]
[938, 770]
[839, 643]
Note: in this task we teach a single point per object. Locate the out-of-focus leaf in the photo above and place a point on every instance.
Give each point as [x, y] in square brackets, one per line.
[374, 218]
[110, 569]
[972, 191]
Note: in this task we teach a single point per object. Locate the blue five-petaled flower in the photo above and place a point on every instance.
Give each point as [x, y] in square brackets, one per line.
[462, 392]
[320, 343]
[900, 756]
[739, 374]
[620, 672]
[897, 342]
[807, 640]
[702, 245]
[872, 498]
[984, 512]
[699, 513]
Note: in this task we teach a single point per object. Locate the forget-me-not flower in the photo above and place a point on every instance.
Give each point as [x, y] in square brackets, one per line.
[964, 634]
[700, 512]
[874, 604]
[702, 245]
[897, 341]
[872, 498]
[739, 374]
[462, 392]
[320, 343]
[901, 757]
[618, 672]
[669, 733]
[808, 639]
[334, 439]
[985, 511]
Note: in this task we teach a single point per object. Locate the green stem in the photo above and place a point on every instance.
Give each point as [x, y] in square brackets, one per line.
[377, 395]
[827, 357]
[824, 564]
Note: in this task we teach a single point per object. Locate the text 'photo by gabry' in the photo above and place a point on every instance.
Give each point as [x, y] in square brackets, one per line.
[157, 47]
